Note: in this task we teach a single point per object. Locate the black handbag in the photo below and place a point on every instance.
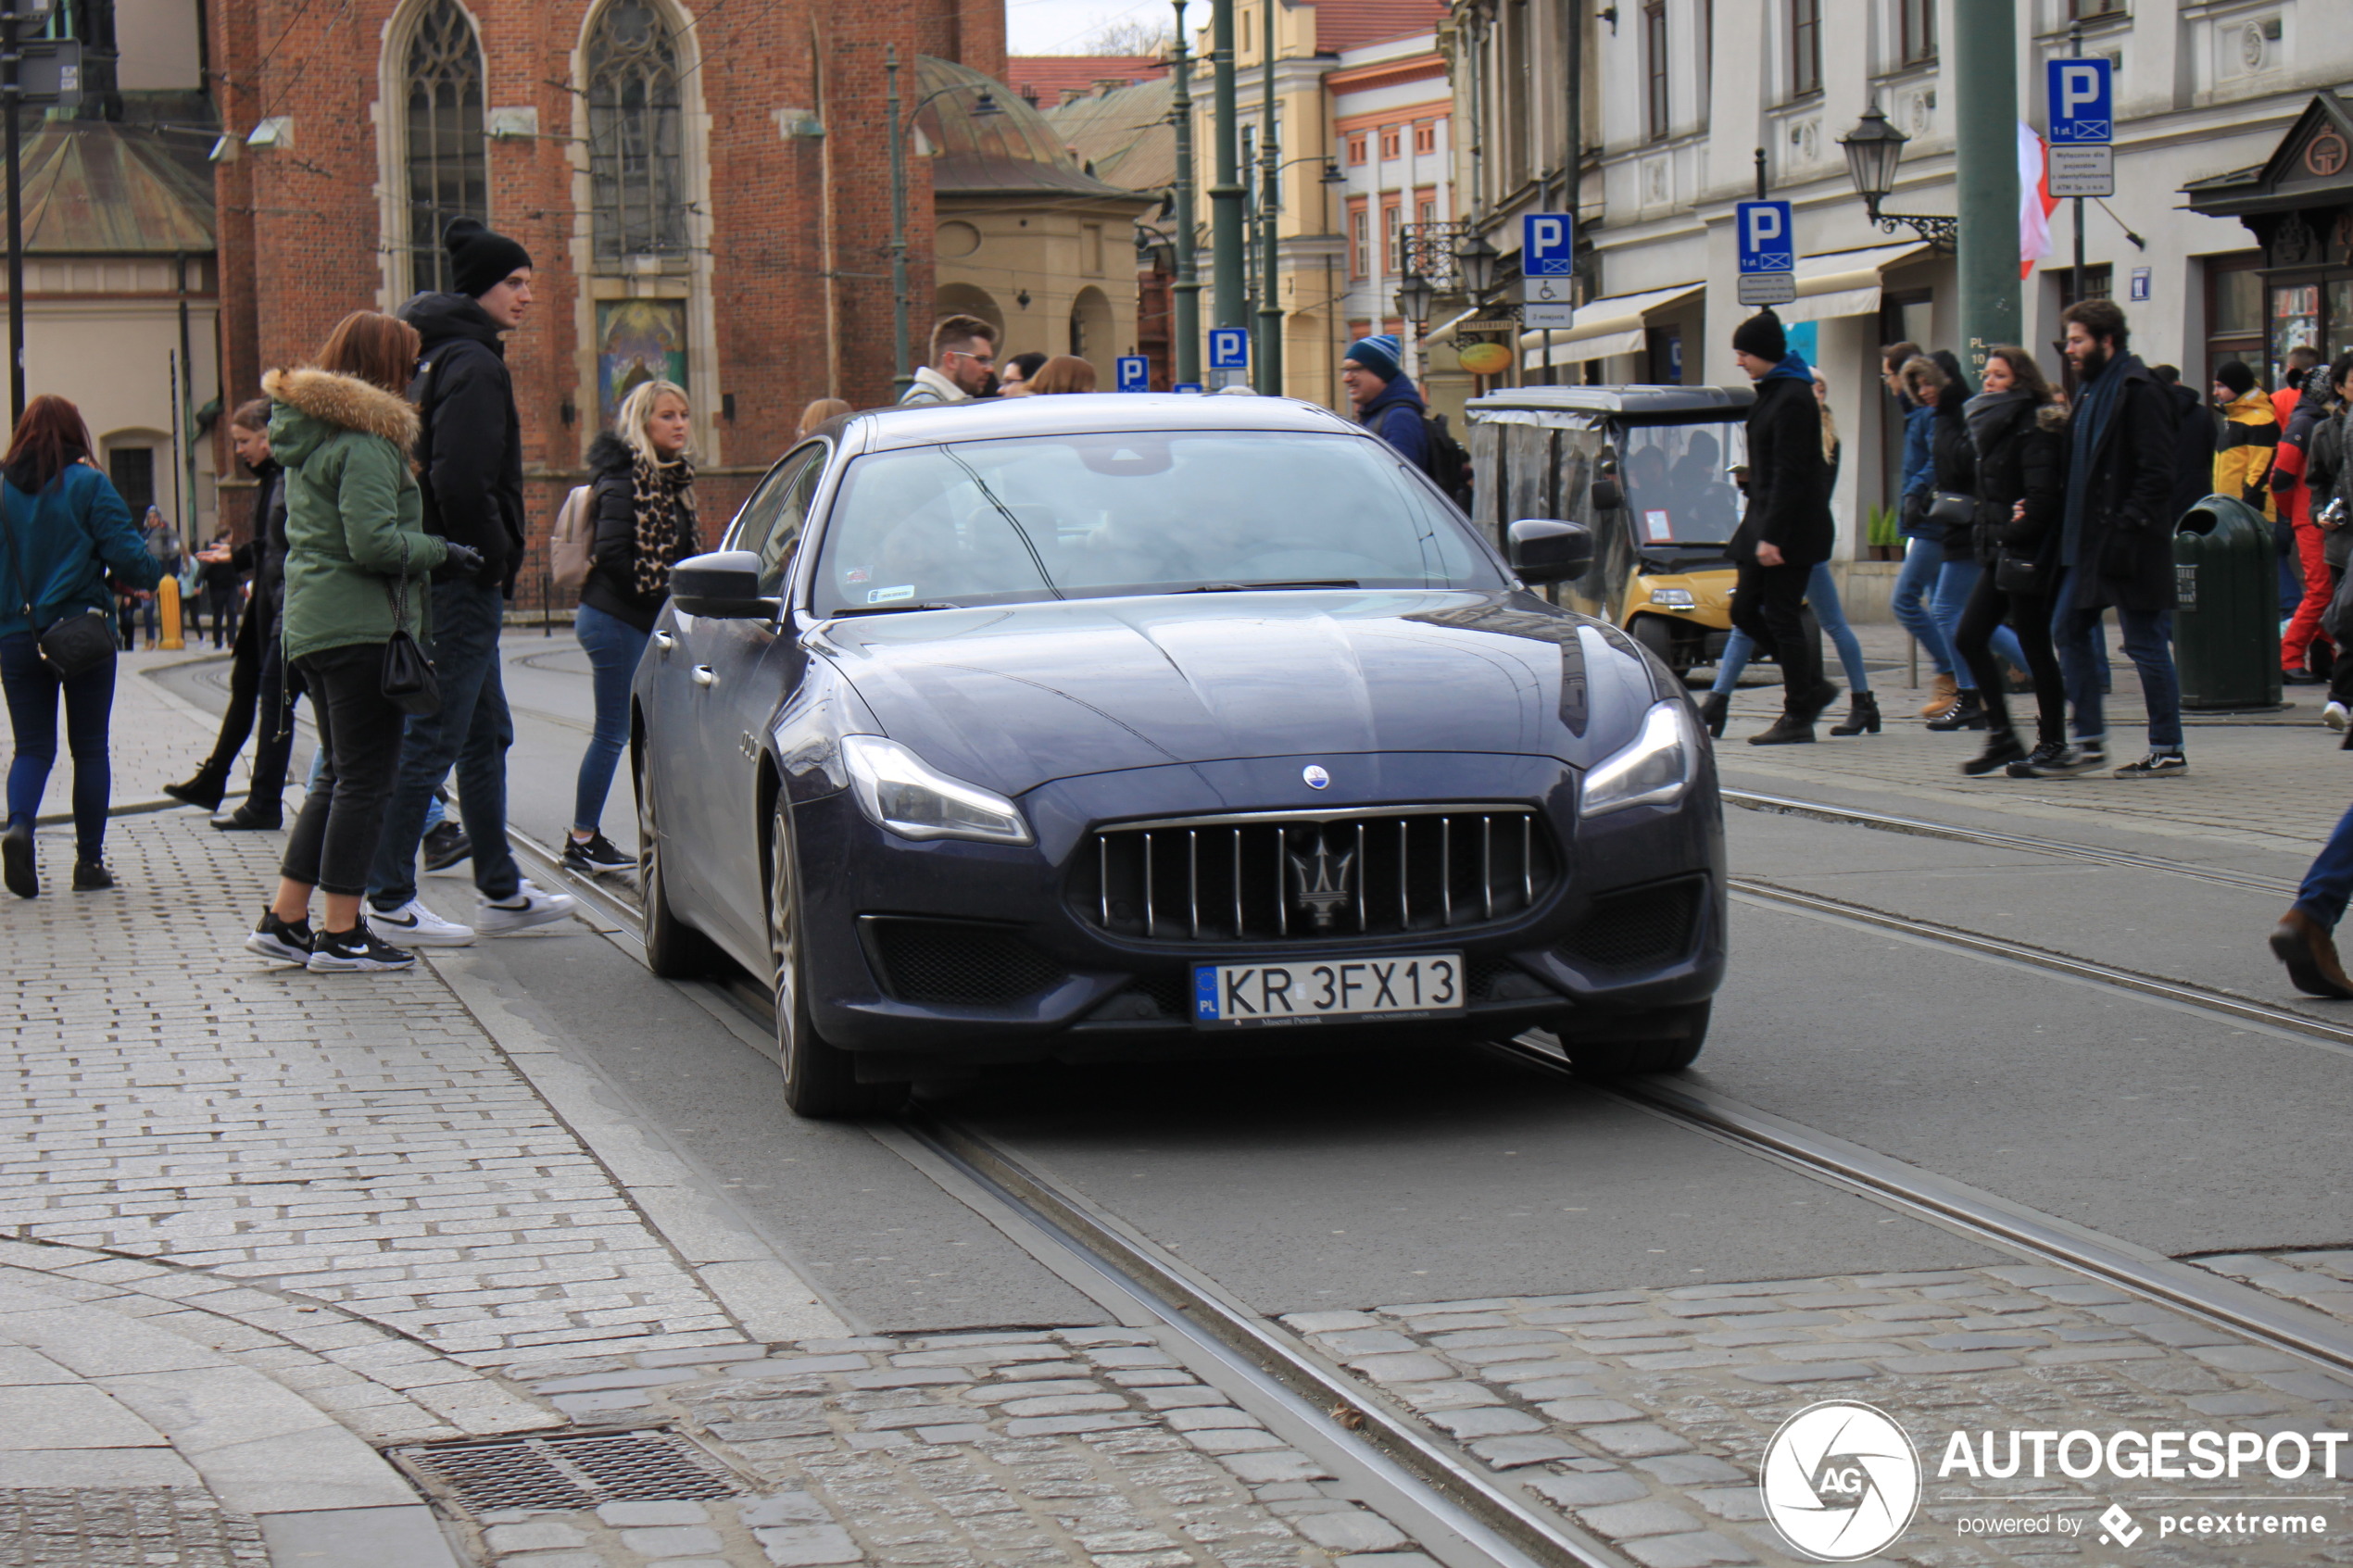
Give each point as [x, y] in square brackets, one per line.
[410, 683]
[2021, 574]
[70, 644]
[1951, 508]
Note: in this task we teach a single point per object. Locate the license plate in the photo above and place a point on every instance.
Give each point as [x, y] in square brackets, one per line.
[1326, 990]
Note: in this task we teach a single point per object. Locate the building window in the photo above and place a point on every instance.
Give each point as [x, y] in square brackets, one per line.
[1356, 147]
[1425, 207]
[1392, 238]
[1390, 138]
[1804, 48]
[1360, 241]
[1655, 68]
[2084, 10]
[635, 126]
[132, 468]
[1425, 138]
[1918, 29]
[449, 175]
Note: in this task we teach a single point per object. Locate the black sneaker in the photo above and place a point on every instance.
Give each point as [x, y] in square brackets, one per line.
[288, 942]
[244, 818]
[344, 952]
[597, 854]
[2155, 765]
[91, 876]
[2043, 756]
[2001, 749]
[2083, 756]
[445, 845]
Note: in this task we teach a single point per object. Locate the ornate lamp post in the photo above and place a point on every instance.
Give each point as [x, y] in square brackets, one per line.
[1873, 149]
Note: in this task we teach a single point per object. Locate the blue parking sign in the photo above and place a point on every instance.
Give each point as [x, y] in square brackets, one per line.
[1135, 373]
[1764, 234]
[2081, 102]
[1547, 244]
[1229, 348]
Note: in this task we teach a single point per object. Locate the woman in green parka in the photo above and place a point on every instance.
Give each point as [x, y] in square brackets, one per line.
[357, 560]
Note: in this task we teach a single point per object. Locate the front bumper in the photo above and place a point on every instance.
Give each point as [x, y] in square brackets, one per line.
[1579, 953]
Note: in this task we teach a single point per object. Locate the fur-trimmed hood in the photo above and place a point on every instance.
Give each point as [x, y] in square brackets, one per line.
[610, 454]
[322, 402]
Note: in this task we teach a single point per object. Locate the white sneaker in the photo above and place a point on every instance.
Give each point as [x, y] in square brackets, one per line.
[2334, 715]
[413, 925]
[530, 906]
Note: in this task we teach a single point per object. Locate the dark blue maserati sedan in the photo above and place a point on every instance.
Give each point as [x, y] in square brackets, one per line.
[1104, 727]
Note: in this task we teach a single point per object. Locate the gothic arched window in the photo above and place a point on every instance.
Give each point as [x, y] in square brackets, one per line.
[634, 128]
[447, 165]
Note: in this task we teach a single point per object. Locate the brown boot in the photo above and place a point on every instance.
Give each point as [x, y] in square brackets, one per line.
[2304, 945]
[1943, 693]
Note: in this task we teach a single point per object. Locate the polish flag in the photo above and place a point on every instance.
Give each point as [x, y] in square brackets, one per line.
[2035, 200]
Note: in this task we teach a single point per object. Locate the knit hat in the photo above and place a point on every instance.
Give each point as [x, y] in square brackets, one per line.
[480, 258]
[1380, 353]
[2234, 374]
[1761, 335]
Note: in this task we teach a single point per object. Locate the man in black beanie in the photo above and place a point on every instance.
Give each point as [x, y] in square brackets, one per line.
[1787, 527]
[469, 467]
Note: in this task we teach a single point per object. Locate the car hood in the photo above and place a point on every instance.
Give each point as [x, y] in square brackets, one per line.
[1014, 697]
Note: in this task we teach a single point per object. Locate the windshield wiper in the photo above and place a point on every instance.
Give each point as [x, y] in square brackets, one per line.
[886, 609]
[1253, 587]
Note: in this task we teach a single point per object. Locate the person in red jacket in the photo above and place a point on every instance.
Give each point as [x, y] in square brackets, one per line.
[2293, 499]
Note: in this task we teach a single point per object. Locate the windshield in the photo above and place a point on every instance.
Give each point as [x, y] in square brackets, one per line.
[1677, 489]
[1091, 516]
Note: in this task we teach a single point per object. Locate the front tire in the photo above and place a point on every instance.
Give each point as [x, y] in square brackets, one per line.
[1665, 1041]
[1657, 633]
[674, 950]
[819, 1080]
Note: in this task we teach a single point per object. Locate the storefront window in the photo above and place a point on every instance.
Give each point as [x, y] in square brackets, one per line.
[2234, 315]
[2340, 316]
[2296, 323]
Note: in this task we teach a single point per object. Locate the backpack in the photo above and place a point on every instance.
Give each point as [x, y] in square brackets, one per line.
[1448, 463]
[570, 542]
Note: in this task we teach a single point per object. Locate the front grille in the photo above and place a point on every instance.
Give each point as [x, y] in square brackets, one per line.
[1637, 929]
[955, 961]
[1305, 876]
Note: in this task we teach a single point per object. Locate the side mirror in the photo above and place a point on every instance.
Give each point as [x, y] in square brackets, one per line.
[1546, 551]
[724, 585]
[1607, 496]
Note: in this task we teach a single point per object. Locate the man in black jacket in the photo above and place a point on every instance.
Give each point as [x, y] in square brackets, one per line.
[1787, 530]
[469, 467]
[2115, 543]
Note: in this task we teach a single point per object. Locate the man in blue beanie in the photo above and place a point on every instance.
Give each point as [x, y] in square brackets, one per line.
[1386, 402]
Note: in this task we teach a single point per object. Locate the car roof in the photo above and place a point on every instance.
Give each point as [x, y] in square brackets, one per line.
[1630, 400]
[883, 430]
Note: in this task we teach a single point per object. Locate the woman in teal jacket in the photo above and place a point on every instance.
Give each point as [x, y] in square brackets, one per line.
[61, 527]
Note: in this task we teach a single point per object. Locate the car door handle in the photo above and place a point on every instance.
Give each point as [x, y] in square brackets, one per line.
[664, 641]
[705, 675]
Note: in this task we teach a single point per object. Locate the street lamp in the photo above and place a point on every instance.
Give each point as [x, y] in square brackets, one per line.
[1475, 263]
[1873, 149]
[984, 106]
[1413, 296]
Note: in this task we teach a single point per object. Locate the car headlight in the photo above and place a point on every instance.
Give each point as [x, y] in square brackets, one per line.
[1653, 769]
[902, 793]
[1673, 598]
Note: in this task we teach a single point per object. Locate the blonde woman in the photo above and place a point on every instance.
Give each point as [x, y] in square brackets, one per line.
[643, 505]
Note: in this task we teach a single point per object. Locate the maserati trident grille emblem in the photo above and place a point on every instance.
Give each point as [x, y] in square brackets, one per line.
[1315, 777]
[1320, 882]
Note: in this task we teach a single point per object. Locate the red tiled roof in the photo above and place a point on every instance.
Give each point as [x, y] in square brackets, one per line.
[1045, 78]
[1345, 24]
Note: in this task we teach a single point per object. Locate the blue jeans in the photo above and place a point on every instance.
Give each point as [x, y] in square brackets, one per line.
[472, 732]
[615, 648]
[33, 693]
[1914, 589]
[1821, 592]
[2329, 883]
[1953, 584]
[2148, 643]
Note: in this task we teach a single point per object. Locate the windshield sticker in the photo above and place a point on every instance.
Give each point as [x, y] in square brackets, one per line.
[858, 574]
[890, 596]
[1659, 528]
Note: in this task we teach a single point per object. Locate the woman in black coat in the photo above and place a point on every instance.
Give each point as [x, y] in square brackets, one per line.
[2017, 427]
[642, 511]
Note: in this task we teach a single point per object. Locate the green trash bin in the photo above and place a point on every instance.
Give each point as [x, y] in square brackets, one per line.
[2226, 606]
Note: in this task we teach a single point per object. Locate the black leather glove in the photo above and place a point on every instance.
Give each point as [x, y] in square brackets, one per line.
[462, 559]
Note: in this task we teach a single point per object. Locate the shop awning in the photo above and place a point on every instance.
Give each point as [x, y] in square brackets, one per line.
[1612, 324]
[1844, 282]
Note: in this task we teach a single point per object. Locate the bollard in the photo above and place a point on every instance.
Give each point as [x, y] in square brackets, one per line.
[167, 614]
[2226, 616]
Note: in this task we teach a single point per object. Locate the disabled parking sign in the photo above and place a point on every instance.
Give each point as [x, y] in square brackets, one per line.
[2082, 109]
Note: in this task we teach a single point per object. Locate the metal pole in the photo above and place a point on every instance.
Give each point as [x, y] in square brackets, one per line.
[1270, 309]
[1188, 287]
[12, 93]
[187, 455]
[2075, 49]
[179, 504]
[1985, 35]
[1225, 241]
[902, 376]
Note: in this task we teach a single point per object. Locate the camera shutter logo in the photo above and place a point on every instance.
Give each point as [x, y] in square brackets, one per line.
[1840, 1481]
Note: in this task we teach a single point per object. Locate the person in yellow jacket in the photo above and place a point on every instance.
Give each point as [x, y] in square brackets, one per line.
[2249, 438]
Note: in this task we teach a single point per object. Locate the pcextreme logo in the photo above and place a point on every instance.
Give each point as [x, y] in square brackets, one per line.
[1840, 1481]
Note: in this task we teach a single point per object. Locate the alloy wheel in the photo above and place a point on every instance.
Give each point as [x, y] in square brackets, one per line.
[784, 939]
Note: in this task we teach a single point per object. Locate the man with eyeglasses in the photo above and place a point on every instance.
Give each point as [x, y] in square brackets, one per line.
[964, 355]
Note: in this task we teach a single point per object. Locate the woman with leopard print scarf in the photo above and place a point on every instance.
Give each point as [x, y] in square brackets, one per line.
[642, 510]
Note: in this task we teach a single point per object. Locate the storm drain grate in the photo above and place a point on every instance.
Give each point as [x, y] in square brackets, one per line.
[575, 1471]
